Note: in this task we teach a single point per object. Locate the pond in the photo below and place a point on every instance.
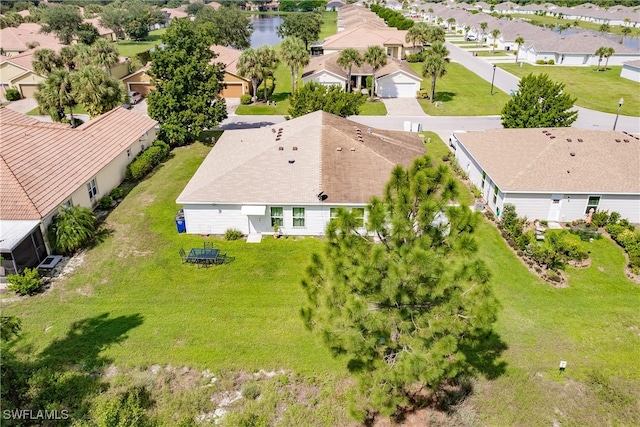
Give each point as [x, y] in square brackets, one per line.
[264, 30]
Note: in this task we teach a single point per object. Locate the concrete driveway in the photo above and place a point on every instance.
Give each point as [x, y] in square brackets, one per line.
[403, 107]
[23, 105]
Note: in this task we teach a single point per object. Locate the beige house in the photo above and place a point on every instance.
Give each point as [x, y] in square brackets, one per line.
[236, 85]
[47, 165]
[103, 32]
[26, 36]
[393, 41]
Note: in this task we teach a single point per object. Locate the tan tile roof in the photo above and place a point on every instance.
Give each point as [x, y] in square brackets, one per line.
[96, 23]
[22, 60]
[49, 161]
[530, 160]
[362, 37]
[18, 38]
[247, 166]
[227, 56]
[329, 63]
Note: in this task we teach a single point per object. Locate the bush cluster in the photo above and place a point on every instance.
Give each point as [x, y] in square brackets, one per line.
[232, 234]
[117, 193]
[147, 160]
[393, 18]
[105, 202]
[12, 94]
[27, 283]
[627, 236]
[543, 62]
[245, 99]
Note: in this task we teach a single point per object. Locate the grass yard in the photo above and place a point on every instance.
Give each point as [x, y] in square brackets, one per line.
[373, 109]
[489, 53]
[595, 90]
[329, 25]
[78, 109]
[132, 304]
[130, 48]
[461, 93]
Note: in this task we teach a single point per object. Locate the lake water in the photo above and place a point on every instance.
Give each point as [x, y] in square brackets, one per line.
[630, 42]
[264, 30]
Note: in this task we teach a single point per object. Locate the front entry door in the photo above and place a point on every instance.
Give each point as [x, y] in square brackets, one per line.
[554, 207]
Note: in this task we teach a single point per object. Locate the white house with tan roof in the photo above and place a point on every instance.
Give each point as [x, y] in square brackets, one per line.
[394, 80]
[293, 174]
[46, 165]
[393, 41]
[553, 174]
[631, 70]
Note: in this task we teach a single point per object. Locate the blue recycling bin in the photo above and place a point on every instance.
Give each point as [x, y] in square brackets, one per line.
[181, 226]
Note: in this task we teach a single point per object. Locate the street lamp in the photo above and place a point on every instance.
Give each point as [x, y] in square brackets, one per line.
[618, 113]
[493, 78]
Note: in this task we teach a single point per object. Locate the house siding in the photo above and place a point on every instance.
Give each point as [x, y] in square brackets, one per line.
[388, 86]
[631, 73]
[325, 78]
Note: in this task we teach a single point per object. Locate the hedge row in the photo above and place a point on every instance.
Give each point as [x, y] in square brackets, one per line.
[147, 160]
[627, 236]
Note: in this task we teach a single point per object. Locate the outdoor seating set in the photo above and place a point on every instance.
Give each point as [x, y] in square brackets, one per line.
[205, 256]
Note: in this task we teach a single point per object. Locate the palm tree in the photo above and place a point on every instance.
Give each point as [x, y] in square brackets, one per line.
[466, 31]
[45, 61]
[55, 94]
[248, 66]
[376, 58]
[450, 22]
[268, 62]
[73, 228]
[495, 33]
[347, 59]
[103, 54]
[296, 56]
[415, 34]
[97, 91]
[604, 28]
[601, 52]
[625, 32]
[435, 64]
[483, 27]
[519, 42]
[607, 53]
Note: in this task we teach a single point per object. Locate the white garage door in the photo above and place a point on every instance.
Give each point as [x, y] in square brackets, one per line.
[397, 90]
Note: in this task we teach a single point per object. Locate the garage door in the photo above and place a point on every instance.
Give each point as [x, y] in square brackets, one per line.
[142, 88]
[232, 91]
[397, 90]
[28, 90]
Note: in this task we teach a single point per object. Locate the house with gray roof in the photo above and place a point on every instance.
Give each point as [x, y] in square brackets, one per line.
[553, 174]
[293, 174]
[631, 70]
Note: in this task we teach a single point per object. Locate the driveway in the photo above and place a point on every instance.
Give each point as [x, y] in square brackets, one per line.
[403, 107]
[23, 105]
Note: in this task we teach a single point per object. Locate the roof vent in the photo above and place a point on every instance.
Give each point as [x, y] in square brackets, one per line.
[273, 130]
[572, 154]
[625, 140]
[568, 139]
[295, 148]
[353, 148]
[580, 140]
[368, 130]
[291, 161]
[551, 137]
[277, 138]
[617, 140]
[339, 149]
[280, 148]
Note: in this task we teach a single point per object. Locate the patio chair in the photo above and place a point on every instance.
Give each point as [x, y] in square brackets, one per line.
[208, 245]
[221, 259]
[183, 255]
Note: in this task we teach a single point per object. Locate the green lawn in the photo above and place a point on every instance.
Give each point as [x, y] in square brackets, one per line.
[489, 53]
[595, 90]
[373, 109]
[132, 304]
[130, 48]
[78, 109]
[461, 93]
[329, 26]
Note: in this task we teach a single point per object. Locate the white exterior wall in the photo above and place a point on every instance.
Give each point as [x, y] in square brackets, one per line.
[325, 78]
[630, 73]
[398, 85]
[216, 219]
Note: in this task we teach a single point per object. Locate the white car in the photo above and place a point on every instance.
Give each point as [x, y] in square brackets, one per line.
[134, 97]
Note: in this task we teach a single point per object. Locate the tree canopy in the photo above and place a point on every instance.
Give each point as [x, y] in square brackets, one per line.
[408, 311]
[305, 26]
[187, 94]
[332, 99]
[539, 102]
[64, 21]
[228, 26]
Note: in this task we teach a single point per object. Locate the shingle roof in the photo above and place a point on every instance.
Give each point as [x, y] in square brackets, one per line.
[531, 160]
[247, 166]
[42, 163]
[329, 63]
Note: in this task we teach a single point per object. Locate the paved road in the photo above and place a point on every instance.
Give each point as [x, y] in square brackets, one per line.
[587, 119]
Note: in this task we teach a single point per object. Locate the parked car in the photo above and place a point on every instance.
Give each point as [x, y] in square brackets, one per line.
[134, 97]
[471, 38]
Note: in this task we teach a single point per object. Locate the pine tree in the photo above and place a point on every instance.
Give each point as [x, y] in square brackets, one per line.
[403, 308]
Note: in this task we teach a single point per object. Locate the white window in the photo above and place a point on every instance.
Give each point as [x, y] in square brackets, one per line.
[298, 217]
[276, 216]
[496, 190]
[92, 188]
[593, 202]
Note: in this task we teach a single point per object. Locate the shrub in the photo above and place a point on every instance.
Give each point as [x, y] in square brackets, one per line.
[553, 276]
[424, 93]
[27, 283]
[117, 193]
[147, 160]
[476, 192]
[414, 57]
[245, 99]
[600, 218]
[72, 229]
[551, 62]
[251, 390]
[541, 62]
[232, 234]
[614, 217]
[12, 94]
[105, 203]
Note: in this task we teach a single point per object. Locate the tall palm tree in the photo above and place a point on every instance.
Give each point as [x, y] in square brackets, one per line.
[625, 32]
[466, 31]
[495, 34]
[519, 42]
[435, 64]
[376, 57]
[608, 51]
[268, 60]
[296, 56]
[55, 94]
[104, 54]
[414, 34]
[601, 52]
[45, 61]
[97, 91]
[450, 22]
[347, 59]
[604, 28]
[483, 27]
[249, 67]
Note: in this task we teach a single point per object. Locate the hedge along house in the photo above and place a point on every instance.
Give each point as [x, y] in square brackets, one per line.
[553, 174]
[47, 165]
[293, 174]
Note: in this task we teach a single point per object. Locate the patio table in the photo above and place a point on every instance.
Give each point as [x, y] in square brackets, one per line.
[203, 256]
